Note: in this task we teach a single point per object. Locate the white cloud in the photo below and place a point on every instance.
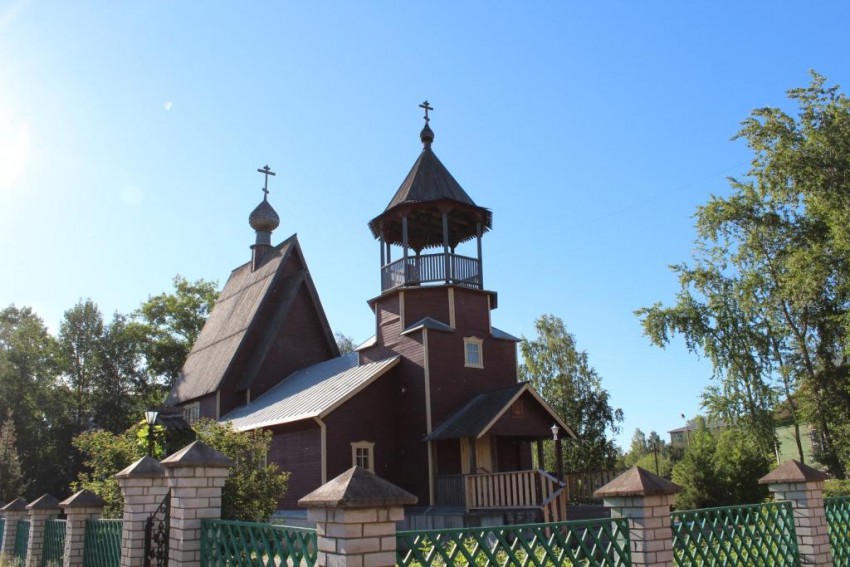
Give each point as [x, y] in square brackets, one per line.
[131, 195]
[167, 105]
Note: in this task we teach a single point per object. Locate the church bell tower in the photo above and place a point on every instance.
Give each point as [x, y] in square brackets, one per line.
[426, 220]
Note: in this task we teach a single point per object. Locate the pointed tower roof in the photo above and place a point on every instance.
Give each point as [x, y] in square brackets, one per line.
[428, 191]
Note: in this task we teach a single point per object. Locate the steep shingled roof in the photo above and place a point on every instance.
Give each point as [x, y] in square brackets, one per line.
[242, 306]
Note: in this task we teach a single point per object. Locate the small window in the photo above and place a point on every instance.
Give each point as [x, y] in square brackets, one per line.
[192, 412]
[473, 352]
[518, 409]
[363, 455]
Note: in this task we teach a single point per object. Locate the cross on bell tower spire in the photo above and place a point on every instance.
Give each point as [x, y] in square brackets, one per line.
[426, 135]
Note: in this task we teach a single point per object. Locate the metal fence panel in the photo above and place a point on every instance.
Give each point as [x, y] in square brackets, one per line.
[227, 543]
[601, 542]
[22, 538]
[837, 512]
[761, 534]
[54, 543]
[103, 543]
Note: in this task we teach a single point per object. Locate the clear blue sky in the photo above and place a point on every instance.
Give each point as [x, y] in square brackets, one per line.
[130, 133]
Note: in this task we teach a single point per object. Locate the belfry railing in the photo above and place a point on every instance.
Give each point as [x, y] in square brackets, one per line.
[432, 268]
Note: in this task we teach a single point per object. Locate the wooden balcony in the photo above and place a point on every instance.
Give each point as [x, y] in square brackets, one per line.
[505, 491]
[432, 268]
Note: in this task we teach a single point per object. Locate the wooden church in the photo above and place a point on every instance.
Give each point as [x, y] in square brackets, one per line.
[431, 402]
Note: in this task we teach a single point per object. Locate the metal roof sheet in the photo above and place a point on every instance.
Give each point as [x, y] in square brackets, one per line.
[309, 392]
[428, 323]
[502, 335]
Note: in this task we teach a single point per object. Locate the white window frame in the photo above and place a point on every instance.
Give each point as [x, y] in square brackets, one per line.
[192, 412]
[369, 448]
[467, 342]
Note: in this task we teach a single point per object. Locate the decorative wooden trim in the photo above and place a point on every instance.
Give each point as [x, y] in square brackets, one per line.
[217, 405]
[401, 309]
[452, 307]
[323, 434]
[370, 447]
[473, 341]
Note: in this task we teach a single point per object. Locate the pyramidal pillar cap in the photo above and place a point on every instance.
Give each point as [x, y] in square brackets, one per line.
[793, 471]
[637, 482]
[358, 488]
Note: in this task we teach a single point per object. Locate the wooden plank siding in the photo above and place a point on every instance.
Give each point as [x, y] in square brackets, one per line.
[366, 417]
[296, 448]
[298, 344]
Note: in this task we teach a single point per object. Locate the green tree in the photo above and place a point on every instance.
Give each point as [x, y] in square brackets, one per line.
[344, 343]
[720, 470]
[12, 482]
[254, 486]
[104, 455]
[563, 376]
[103, 367]
[169, 324]
[29, 367]
[767, 297]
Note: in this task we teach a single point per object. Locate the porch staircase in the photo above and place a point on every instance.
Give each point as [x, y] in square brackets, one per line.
[518, 490]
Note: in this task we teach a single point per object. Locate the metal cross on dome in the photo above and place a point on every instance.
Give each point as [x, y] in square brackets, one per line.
[267, 171]
[427, 107]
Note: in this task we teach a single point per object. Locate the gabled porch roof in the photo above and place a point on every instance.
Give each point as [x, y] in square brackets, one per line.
[482, 412]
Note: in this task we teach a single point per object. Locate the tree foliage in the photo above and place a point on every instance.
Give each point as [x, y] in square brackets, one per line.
[564, 377]
[766, 298]
[720, 470]
[170, 324]
[95, 374]
[252, 490]
[650, 453]
[12, 481]
[104, 455]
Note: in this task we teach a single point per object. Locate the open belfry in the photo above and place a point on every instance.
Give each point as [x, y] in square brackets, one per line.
[431, 402]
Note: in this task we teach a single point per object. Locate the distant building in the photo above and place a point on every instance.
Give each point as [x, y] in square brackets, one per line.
[680, 437]
[786, 445]
[430, 402]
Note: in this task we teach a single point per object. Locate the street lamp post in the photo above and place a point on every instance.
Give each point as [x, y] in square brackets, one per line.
[150, 419]
[559, 451]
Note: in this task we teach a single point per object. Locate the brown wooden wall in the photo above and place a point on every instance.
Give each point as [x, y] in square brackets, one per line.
[300, 343]
[365, 417]
[296, 448]
[533, 422]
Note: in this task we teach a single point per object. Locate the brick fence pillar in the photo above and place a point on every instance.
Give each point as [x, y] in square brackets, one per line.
[41, 510]
[196, 475]
[79, 509]
[803, 487]
[355, 516]
[143, 486]
[12, 512]
[645, 499]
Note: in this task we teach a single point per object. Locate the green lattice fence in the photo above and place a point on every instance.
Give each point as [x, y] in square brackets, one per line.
[588, 543]
[2, 530]
[231, 544]
[838, 525]
[54, 543]
[103, 543]
[761, 534]
[22, 538]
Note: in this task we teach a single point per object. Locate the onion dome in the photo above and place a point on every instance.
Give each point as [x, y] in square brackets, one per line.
[264, 218]
[427, 136]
